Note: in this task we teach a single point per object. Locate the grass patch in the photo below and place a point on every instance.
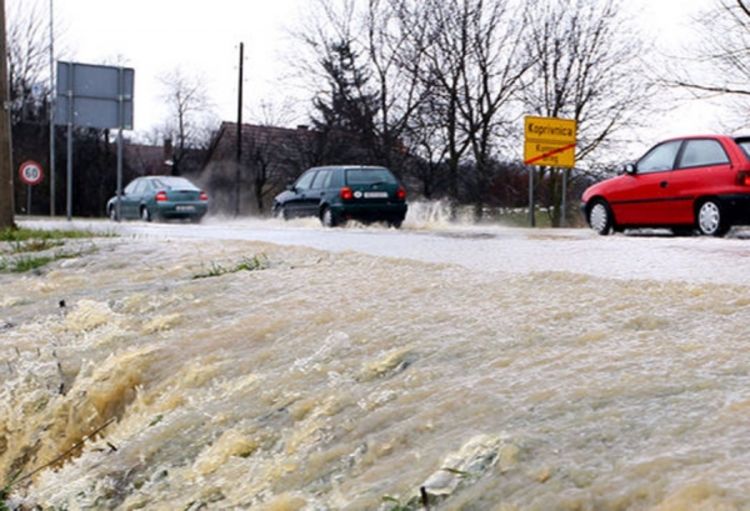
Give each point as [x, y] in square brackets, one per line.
[21, 235]
[255, 263]
[520, 217]
[35, 245]
[396, 504]
[30, 263]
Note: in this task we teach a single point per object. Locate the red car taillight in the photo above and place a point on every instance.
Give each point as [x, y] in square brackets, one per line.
[743, 178]
[203, 196]
[346, 193]
[401, 193]
[161, 196]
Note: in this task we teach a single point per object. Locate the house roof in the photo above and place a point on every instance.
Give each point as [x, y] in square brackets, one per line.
[253, 136]
[145, 159]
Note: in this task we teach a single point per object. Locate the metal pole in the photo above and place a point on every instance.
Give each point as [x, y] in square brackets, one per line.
[51, 110]
[28, 200]
[532, 219]
[120, 99]
[69, 205]
[564, 202]
[239, 134]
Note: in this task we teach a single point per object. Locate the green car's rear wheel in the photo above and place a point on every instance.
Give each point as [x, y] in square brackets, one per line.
[145, 214]
[327, 217]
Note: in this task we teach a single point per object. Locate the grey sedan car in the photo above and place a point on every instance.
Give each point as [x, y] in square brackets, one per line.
[160, 197]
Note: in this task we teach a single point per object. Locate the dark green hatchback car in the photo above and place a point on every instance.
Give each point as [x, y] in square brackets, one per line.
[341, 193]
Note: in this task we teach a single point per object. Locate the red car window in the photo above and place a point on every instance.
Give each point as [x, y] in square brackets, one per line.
[660, 158]
[702, 153]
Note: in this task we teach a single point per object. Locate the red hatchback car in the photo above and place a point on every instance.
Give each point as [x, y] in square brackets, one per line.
[684, 184]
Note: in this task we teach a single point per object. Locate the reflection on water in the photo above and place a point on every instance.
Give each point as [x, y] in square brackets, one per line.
[348, 382]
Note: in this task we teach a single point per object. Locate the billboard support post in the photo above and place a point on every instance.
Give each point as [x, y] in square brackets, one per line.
[564, 200]
[532, 217]
[120, 100]
[69, 175]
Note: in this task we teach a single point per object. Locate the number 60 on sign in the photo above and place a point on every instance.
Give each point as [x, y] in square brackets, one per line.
[30, 173]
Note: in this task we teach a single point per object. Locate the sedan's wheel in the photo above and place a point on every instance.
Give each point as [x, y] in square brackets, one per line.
[600, 218]
[145, 214]
[711, 221]
[327, 218]
[113, 213]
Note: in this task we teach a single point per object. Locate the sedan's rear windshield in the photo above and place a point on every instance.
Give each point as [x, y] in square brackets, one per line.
[369, 176]
[176, 183]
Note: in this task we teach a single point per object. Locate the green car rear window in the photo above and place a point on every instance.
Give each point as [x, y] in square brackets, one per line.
[177, 183]
[369, 176]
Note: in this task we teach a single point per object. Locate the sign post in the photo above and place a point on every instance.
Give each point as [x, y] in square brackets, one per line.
[548, 142]
[30, 173]
[95, 97]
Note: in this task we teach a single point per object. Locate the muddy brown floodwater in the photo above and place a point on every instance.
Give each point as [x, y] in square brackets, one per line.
[322, 381]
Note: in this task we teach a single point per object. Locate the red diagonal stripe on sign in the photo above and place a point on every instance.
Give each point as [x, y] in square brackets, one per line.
[550, 153]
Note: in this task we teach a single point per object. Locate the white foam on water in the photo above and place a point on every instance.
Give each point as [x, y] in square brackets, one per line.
[333, 380]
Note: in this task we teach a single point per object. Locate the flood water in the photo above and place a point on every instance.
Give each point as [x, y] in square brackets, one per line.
[325, 381]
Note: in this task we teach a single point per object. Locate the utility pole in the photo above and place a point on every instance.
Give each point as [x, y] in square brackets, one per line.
[239, 134]
[6, 173]
[51, 110]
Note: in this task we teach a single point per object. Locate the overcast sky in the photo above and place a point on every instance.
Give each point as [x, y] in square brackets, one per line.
[155, 36]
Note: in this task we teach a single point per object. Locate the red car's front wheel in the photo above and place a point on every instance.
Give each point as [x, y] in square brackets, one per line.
[600, 217]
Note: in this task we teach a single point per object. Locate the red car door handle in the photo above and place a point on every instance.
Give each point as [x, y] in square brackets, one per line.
[663, 184]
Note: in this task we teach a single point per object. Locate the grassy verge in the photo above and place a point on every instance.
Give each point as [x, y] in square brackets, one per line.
[520, 218]
[34, 245]
[39, 235]
[257, 262]
[30, 263]
[25, 242]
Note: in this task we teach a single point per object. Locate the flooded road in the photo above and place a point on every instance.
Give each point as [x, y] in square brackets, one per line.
[499, 369]
[487, 248]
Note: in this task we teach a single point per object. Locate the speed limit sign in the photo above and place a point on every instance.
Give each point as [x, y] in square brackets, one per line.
[31, 173]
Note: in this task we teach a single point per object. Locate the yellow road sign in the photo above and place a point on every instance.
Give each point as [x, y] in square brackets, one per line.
[549, 142]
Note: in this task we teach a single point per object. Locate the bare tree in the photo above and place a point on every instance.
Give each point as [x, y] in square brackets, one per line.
[426, 139]
[585, 67]
[475, 70]
[449, 79]
[726, 57]
[190, 116]
[28, 61]
[447, 55]
[396, 43]
[385, 41]
[715, 64]
[490, 81]
[274, 156]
